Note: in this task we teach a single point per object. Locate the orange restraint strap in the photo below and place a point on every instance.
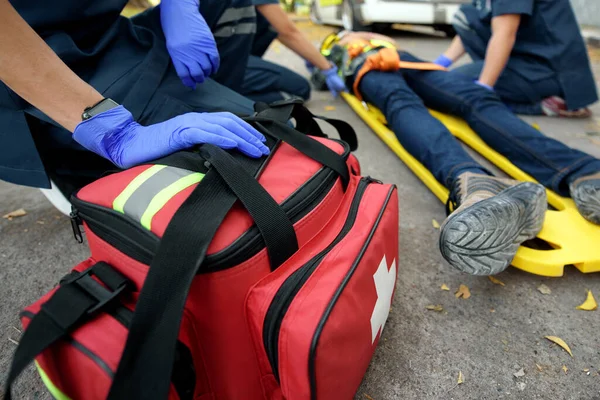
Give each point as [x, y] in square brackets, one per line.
[388, 59]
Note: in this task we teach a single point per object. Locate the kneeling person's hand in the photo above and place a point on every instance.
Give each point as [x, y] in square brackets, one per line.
[335, 83]
[115, 135]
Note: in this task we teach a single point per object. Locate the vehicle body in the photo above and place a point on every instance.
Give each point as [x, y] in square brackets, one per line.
[365, 14]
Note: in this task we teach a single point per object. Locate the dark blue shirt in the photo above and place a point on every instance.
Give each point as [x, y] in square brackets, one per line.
[124, 59]
[233, 24]
[548, 44]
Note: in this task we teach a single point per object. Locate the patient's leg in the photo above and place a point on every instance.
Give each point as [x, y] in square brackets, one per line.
[423, 136]
[493, 216]
[552, 163]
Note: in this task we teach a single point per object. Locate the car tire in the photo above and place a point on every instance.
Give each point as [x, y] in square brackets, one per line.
[349, 20]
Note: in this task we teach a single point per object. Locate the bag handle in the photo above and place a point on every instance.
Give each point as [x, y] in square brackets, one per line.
[306, 122]
[305, 144]
[147, 360]
[78, 297]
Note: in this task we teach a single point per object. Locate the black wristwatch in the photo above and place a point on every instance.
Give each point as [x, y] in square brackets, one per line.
[99, 107]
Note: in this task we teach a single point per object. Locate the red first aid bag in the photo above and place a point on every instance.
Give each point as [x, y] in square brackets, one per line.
[216, 276]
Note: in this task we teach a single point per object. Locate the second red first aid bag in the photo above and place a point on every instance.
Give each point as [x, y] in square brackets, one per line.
[215, 276]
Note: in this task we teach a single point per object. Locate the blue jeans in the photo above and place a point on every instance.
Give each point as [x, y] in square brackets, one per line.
[403, 95]
[522, 96]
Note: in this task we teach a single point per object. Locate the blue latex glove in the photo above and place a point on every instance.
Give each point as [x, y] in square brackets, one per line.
[309, 66]
[443, 61]
[190, 42]
[483, 85]
[334, 82]
[115, 136]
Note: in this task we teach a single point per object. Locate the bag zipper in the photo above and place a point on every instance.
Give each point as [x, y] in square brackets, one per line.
[291, 286]
[129, 237]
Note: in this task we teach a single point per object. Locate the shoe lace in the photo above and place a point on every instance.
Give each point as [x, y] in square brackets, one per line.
[453, 200]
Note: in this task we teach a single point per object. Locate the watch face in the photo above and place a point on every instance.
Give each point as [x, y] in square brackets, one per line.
[104, 105]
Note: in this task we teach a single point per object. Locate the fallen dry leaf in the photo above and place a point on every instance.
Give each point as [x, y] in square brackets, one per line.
[496, 281]
[561, 343]
[586, 370]
[539, 367]
[461, 378]
[435, 224]
[329, 108]
[519, 373]
[444, 287]
[536, 126]
[492, 310]
[437, 308]
[15, 214]
[564, 368]
[543, 289]
[368, 397]
[40, 222]
[463, 291]
[589, 304]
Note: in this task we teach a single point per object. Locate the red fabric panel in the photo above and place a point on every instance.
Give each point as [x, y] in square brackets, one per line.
[105, 190]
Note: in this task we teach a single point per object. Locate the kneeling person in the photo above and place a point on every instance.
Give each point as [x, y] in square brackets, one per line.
[492, 217]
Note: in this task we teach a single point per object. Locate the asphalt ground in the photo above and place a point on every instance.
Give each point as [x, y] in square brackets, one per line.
[487, 338]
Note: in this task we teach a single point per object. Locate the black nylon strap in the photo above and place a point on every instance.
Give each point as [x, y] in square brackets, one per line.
[147, 360]
[66, 309]
[310, 147]
[283, 110]
[276, 228]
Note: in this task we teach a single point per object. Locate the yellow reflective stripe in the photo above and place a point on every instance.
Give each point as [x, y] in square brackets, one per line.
[54, 391]
[167, 194]
[121, 199]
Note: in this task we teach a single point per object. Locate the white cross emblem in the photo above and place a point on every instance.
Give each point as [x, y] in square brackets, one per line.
[385, 280]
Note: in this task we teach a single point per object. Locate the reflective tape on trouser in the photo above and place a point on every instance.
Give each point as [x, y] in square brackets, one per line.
[236, 14]
[240, 29]
[147, 193]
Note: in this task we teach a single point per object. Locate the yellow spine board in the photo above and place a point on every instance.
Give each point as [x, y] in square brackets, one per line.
[574, 240]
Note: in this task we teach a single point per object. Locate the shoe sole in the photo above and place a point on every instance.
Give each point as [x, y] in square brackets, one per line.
[483, 238]
[587, 200]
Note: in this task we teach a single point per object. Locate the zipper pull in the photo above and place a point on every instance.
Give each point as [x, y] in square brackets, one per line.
[373, 180]
[75, 222]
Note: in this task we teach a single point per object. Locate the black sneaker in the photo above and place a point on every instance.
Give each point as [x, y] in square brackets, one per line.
[585, 192]
[494, 217]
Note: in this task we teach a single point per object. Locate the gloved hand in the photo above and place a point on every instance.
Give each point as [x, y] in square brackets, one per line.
[190, 42]
[309, 66]
[115, 136]
[488, 87]
[334, 82]
[443, 61]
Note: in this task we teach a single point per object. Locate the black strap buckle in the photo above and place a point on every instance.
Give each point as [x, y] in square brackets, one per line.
[109, 284]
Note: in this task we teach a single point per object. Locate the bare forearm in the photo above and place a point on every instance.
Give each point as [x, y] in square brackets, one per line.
[496, 57]
[298, 43]
[456, 49]
[292, 37]
[30, 68]
[504, 35]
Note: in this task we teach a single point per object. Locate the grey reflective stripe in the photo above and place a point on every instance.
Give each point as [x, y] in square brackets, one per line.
[235, 14]
[137, 204]
[240, 29]
[459, 20]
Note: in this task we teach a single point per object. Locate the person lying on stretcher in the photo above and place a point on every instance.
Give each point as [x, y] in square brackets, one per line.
[491, 216]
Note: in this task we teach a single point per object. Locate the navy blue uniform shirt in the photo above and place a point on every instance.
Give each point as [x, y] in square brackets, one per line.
[124, 59]
[233, 24]
[548, 44]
